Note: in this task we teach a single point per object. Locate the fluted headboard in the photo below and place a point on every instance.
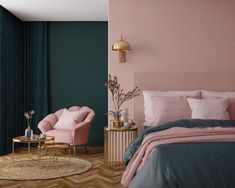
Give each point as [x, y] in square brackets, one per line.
[177, 81]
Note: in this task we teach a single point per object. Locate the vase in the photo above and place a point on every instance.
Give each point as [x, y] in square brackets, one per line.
[124, 116]
[126, 125]
[116, 123]
[28, 132]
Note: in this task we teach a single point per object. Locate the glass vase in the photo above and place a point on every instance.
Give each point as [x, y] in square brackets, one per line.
[124, 116]
[28, 132]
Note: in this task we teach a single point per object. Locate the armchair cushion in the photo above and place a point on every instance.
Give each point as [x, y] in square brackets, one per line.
[62, 136]
[44, 126]
[58, 113]
[52, 119]
[69, 119]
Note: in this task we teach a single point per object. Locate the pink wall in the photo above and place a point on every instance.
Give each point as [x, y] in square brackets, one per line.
[192, 36]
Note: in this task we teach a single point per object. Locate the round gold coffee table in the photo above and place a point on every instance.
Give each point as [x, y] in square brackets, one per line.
[25, 140]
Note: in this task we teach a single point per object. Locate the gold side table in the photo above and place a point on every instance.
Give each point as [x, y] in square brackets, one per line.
[29, 141]
[53, 149]
[116, 142]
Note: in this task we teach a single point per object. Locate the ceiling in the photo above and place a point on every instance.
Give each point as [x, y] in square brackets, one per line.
[58, 10]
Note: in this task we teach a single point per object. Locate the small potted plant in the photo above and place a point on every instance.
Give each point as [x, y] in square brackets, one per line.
[29, 116]
[118, 98]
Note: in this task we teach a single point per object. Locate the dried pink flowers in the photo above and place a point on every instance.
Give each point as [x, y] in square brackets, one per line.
[29, 115]
[119, 96]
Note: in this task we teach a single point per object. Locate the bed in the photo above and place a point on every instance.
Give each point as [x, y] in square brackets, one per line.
[195, 153]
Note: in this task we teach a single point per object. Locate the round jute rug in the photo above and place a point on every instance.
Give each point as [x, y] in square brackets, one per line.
[25, 169]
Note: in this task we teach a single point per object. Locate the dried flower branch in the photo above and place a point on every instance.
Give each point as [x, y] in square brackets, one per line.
[29, 115]
[118, 95]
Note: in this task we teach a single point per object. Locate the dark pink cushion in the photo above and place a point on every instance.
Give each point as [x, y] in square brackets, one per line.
[170, 108]
[149, 116]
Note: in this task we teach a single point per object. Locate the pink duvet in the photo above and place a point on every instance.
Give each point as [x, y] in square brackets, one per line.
[174, 135]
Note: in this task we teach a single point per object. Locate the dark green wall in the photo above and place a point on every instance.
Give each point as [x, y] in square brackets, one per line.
[78, 69]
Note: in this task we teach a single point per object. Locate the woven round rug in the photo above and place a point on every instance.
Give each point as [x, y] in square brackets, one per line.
[25, 169]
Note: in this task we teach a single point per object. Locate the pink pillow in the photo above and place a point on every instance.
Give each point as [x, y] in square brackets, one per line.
[149, 117]
[166, 109]
[209, 108]
[216, 94]
[69, 119]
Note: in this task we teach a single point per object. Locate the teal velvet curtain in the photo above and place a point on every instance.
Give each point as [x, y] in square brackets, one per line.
[23, 75]
[36, 70]
[11, 79]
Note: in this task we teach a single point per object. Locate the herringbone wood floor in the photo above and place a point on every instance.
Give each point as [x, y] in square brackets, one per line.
[97, 177]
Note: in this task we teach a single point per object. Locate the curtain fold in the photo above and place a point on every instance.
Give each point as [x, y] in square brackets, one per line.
[23, 75]
[11, 79]
[36, 70]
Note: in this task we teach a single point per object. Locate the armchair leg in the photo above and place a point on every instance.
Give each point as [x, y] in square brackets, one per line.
[74, 150]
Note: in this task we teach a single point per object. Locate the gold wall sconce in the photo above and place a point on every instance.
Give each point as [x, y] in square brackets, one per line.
[121, 46]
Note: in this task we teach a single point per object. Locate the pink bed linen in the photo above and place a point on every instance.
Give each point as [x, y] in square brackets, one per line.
[174, 135]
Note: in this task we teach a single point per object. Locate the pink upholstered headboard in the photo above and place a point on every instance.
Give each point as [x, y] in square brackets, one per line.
[177, 81]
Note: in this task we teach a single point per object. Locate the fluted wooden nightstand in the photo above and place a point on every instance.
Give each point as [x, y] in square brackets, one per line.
[116, 142]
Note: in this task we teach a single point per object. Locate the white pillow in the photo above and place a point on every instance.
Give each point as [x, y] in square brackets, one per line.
[209, 108]
[69, 119]
[149, 117]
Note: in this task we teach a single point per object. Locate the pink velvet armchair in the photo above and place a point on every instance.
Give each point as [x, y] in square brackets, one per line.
[77, 135]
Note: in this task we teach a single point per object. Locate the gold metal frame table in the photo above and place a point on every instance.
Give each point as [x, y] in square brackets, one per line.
[53, 149]
[25, 140]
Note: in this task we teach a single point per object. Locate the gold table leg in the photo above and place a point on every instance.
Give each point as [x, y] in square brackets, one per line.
[69, 154]
[13, 153]
[39, 155]
[29, 150]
